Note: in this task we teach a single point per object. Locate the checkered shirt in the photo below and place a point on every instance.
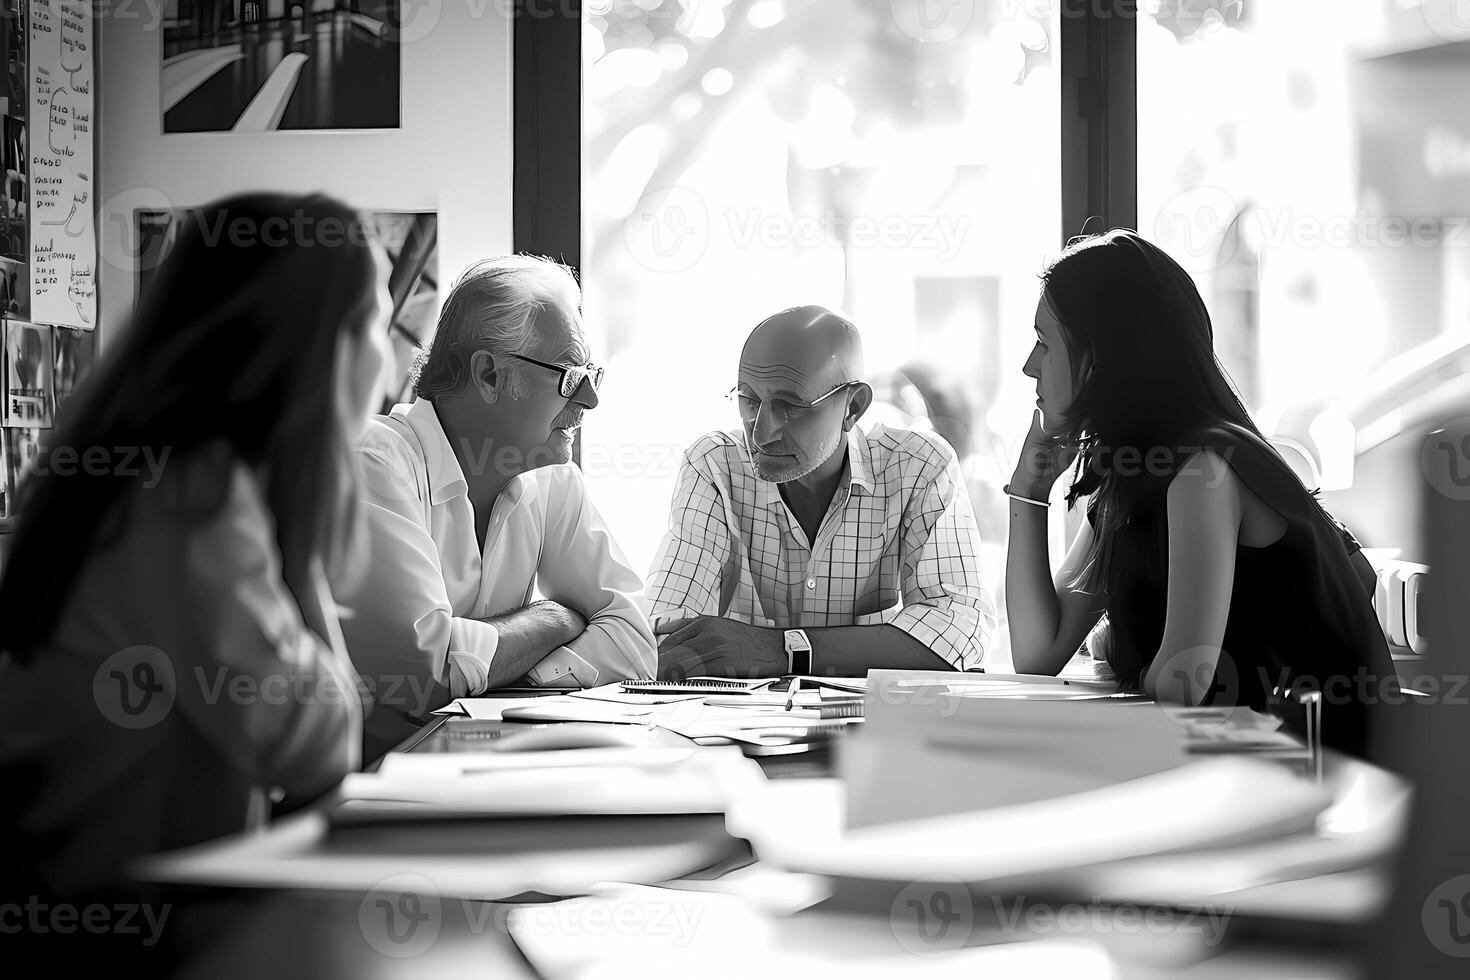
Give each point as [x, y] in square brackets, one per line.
[898, 545]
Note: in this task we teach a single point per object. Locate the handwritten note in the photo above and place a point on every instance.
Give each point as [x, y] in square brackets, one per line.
[63, 233]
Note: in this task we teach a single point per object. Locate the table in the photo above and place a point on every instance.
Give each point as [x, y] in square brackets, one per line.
[285, 934]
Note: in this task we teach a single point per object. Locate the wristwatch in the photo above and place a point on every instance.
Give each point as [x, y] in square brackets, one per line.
[798, 652]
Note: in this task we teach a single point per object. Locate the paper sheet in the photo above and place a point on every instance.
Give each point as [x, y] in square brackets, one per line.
[665, 932]
[554, 707]
[924, 752]
[544, 857]
[1215, 802]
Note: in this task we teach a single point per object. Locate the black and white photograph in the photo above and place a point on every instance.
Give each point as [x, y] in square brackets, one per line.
[250, 66]
[15, 288]
[22, 450]
[16, 192]
[30, 395]
[13, 56]
[666, 489]
[74, 353]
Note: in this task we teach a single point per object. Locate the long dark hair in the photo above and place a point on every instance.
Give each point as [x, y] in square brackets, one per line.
[1154, 382]
[233, 347]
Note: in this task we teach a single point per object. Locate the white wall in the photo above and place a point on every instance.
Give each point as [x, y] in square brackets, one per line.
[452, 154]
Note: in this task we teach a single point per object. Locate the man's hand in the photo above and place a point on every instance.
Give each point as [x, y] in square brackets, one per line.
[712, 646]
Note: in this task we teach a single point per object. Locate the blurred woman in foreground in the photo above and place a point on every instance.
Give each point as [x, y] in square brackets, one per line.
[171, 655]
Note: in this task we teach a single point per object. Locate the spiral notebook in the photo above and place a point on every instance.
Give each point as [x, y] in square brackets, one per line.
[697, 685]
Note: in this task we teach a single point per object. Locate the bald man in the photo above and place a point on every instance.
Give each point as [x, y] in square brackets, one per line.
[801, 543]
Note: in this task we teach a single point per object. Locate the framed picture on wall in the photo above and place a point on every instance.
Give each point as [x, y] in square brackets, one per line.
[22, 446]
[15, 289]
[15, 189]
[253, 66]
[410, 239]
[13, 56]
[30, 390]
[74, 354]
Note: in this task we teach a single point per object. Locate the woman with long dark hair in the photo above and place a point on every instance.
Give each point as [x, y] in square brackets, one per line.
[172, 660]
[1224, 580]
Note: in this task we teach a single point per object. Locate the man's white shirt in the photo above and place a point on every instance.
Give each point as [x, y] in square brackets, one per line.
[418, 609]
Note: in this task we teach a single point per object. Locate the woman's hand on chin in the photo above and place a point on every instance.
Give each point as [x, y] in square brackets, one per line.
[1044, 458]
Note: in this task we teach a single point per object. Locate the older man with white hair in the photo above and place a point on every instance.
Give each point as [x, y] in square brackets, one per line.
[472, 508]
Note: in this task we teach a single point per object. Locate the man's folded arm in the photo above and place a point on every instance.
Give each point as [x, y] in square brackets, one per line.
[583, 568]
[400, 628]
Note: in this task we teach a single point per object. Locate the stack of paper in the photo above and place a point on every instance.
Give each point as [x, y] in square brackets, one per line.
[1204, 804]
[925, 751]
[577, 782]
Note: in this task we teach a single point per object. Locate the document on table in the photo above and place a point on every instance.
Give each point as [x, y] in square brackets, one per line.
[561, 782]
[554, 707]
[928, 749]
[1217, 802]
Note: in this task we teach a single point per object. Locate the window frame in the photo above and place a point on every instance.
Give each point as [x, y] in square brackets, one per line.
[1098, 47]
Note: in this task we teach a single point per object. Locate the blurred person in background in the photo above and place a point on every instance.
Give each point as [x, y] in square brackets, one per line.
[172, 655]
[472, 506]
[1223, 579]
[801, 522]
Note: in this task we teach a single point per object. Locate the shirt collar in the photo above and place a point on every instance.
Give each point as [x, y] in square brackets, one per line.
[857, 473]
[859, 462]
[446, 478]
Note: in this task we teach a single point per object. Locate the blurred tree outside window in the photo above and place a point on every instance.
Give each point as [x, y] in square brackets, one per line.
[897, 161]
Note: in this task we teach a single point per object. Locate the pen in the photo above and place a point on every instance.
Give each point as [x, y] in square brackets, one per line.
[791, 689]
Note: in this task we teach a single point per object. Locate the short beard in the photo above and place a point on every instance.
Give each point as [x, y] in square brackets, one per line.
[803, 465]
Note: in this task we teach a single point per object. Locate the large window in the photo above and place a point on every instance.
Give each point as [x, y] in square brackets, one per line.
[892, 161]
[1310, 164]
[902, 160]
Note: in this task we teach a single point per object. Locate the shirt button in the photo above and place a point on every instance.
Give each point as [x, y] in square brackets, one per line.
[811, 583]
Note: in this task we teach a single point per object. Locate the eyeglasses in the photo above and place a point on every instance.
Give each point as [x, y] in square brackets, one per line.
[571, 377]
[780, 409]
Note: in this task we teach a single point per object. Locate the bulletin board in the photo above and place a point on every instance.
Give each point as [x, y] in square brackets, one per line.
[48, 241]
